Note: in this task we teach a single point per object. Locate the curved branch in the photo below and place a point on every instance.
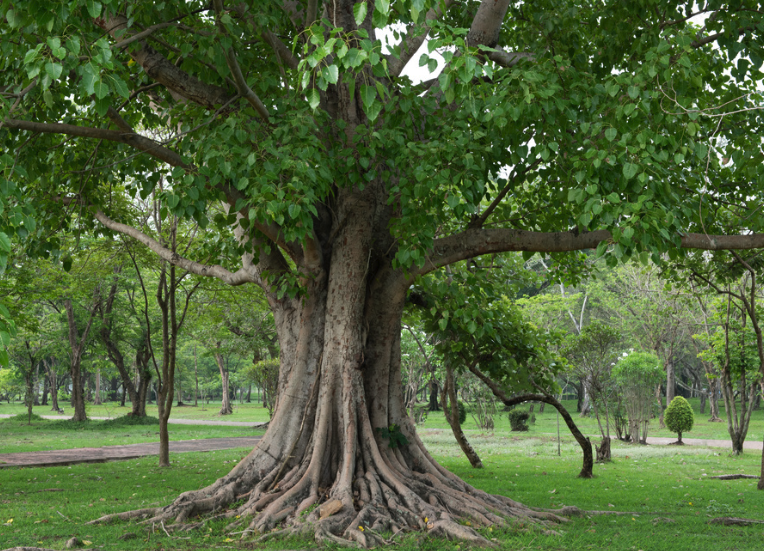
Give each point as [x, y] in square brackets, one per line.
[130, 138]
[478, 241]
[231, 278]
[583, 441]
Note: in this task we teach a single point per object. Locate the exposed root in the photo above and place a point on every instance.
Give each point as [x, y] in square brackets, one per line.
[734, 521]
[128, 515]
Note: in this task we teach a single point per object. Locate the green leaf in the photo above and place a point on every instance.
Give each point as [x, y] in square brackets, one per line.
[5, 338]
[633, 92]
[53, 70]
[66, 261]
[611, 133]
[314, 98]
[242, 183]
[368, 94]
[94, 8]
[331, 73]
[294, 210]
[101, 89]
[120, 87]
[630, 170]
[383, 6]
[359, 13]
[48, 98]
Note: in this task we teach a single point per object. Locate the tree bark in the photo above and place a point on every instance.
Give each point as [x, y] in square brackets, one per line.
[77, 344]
[451, 410]
[225, 408]
[670, 381]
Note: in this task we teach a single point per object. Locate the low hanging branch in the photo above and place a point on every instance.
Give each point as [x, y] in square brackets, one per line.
[583, 441]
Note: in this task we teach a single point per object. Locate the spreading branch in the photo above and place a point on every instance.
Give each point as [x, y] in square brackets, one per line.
[479, 241]
[231, 278]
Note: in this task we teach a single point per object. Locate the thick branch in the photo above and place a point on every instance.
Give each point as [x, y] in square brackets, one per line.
[475, 242]
[135, 140]
[231, 278]
[163, 71]
[487, 24]
[414, 38]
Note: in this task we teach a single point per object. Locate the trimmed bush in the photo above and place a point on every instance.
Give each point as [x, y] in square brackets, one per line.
[679, 416]
[518, 420]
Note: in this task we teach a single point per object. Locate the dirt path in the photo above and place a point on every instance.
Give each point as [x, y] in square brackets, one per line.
[252, 424]
[116, 453]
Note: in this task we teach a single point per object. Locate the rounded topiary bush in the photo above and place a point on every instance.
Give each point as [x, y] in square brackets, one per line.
[679, 417]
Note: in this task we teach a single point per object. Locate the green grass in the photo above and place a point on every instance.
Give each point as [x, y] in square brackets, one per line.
[657, 482]
[17, 436]
[253, 412]
[546, 423]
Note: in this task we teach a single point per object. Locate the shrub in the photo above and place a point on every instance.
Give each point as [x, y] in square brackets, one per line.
[518, 420]
[679, 417]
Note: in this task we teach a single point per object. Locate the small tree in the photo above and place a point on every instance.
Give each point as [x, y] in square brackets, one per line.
[636, 375]
[679, 417]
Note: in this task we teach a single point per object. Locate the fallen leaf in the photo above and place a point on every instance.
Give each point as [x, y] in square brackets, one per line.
[86, 542]
[610, 505]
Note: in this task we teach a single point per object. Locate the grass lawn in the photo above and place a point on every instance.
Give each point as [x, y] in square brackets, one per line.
[42, 434]
[253, 412]
[667, 487]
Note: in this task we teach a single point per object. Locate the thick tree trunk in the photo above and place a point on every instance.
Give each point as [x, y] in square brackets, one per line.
[433, 405]
[340, 437]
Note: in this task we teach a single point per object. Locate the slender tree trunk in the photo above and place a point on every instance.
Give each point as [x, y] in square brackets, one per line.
[196, 378]
[97, 400]
[45, 390]
[670, 381]
[225, 408]
[36, 385]
[77, 344]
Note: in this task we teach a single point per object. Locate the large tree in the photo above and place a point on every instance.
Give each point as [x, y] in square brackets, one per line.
[554, 126]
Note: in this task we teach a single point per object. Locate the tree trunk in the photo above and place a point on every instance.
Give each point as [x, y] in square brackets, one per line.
[339, 382]
[670, 381]
[97, 400]
[703, 403]
[603, 450]
[196, 378]
[45, 389]
[53, 385]
[77, 344]
[225, 408]
[451, 410]
[36, 385]
[433, 405]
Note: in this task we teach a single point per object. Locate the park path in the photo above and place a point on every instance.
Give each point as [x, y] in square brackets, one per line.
[252, 424]
[55, 458]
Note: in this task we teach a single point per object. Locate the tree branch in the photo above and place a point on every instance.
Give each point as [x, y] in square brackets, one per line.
[231, 278]
[511, 182]
[487, 23]
[479, 241]
[160, 69]
[241, 83]
[415, 37]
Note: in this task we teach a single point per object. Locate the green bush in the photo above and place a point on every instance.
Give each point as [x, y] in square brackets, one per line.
[518, 420]
[679, 416]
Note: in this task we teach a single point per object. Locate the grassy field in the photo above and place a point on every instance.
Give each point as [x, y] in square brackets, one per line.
[546, 423]
[667, 489]
[253, 412]
[42, 434]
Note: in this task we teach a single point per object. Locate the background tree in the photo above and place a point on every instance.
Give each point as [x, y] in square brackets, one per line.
[592, 354]
[636, 375]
